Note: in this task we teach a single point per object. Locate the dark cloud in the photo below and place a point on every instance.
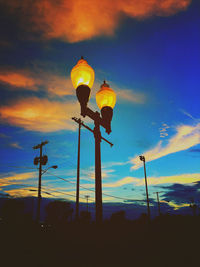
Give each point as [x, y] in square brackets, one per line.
[180, 193]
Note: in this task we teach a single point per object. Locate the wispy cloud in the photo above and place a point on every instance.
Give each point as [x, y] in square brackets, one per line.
[15, 178]
[124, 181]
[186, 137]
[21, 192]
[15, 145]
[59, 86]
[24, 79]
[63, 19]
[187, 178]
[189, 115]
[19, 80]
[40, 115]
[177, 206]
[130, 96]
[56, 85]
[163, 130]
[2, 135]
[114, 163]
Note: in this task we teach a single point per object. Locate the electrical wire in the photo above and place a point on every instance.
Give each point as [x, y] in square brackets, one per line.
[89, 189]
[20, 167]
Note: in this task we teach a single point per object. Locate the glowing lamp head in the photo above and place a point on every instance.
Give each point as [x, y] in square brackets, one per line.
[105, 97]
[82, 74]
[106, 100]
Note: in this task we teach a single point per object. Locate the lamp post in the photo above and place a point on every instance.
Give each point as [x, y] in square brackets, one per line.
[82, 76]
[142, 158]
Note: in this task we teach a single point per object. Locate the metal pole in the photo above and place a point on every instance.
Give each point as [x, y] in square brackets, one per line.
[39, 187]
[87, 197]
[145, 175]
[158, 203]
[98, 186]
[78, 172]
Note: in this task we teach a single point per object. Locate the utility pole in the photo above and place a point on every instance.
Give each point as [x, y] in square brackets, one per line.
[98, 138]
[194, 207]
[78, 170]
[42, 160]
[87, 197]
[157, 193]
[142, 158]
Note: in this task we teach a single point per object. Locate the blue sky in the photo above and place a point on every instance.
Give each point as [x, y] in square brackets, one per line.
[149, 54]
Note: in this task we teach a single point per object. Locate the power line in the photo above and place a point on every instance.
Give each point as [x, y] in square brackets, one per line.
[89, 189]
[19, 167]
[64, 193]
[45, 187]
[13, 183]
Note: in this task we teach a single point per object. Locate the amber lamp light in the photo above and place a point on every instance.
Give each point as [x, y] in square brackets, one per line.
[82, 76]
[106, 100]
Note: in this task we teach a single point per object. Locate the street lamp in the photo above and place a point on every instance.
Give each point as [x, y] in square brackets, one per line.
[142, 158]
[82, 76]
[51, 167]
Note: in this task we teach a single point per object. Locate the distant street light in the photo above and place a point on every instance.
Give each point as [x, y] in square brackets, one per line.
[82, 76]
[51, 167]
[142, 158]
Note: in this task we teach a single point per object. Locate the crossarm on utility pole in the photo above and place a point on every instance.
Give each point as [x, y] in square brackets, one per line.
[78, 121]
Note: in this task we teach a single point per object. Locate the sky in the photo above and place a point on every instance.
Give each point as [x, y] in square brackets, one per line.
[148, 52]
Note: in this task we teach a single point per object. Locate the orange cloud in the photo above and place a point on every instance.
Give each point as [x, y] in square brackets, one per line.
[15, 178]
[29, 80]
[79, 20]
[59, 86]
[18, 80]
[41, 115]
[21, 192]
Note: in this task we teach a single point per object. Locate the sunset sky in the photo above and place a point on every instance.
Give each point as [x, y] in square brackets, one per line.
[148, 52]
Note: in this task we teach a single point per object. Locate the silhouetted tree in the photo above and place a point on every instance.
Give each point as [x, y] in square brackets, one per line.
[13, 211]
[118, 216]
[58, 212]
[143, 218]
[85, 216]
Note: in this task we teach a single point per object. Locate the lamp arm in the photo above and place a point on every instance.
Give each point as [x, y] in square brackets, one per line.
[95, 116]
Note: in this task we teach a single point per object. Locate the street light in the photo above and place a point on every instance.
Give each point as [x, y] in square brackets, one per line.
[142, 158]
[82, 76]
[53, 167]
[42, 160]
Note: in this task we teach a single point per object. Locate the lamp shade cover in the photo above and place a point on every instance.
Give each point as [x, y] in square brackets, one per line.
[106, 96]
[82, 74]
